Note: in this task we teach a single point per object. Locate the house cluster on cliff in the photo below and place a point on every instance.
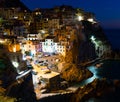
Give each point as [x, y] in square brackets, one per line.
[49, 37]
[68, 25]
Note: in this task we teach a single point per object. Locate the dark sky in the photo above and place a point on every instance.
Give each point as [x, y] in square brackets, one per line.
[107, 12]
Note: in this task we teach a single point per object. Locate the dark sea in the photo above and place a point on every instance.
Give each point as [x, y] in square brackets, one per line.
[110, 70]
[113, 36]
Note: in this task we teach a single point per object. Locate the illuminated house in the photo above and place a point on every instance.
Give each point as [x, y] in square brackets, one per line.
[14, 47]
[28, 47]
[54, 23]
[61, 49]
[9, 13]
[32, 37]
[50, 46]
[32, 47]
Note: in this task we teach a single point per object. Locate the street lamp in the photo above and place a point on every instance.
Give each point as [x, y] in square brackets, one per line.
[90, 19]
[80, 17]
[92, 38]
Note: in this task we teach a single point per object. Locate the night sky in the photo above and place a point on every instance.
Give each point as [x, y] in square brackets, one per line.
[107, 11]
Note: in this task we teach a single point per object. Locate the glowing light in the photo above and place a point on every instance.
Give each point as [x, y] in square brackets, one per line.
[33, 52]
[57, 60]
[15, 64]
[92, 38]
[80, 18]
[90, 19]
[2, 41]
[22, 74]
[36, 13]
[14, 49]
[16, 17]
[24, 57]
[95, 41]
[42, 31]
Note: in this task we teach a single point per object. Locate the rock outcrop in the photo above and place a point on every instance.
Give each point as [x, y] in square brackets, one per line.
[73, 74]
[95, 89]
[23, 90]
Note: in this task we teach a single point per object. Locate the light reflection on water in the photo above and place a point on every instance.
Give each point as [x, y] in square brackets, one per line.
[87, 81]
[94, 70]
[109, 70]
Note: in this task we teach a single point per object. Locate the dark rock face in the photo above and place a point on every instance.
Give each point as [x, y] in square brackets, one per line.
[74, 74]
[86, 48]
[86, 51]
[24, 90]
[7, 71]
[83, 49]
[13, 3]
[59, 98]
[93, 29]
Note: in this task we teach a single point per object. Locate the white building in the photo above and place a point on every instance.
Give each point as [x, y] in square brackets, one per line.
[32, 37]
[49, 46]
[30, 47]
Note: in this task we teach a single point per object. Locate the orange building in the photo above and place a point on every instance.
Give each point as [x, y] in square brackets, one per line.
[14, 47]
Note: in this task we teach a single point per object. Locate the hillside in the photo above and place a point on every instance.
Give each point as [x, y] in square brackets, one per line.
[13, 4]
